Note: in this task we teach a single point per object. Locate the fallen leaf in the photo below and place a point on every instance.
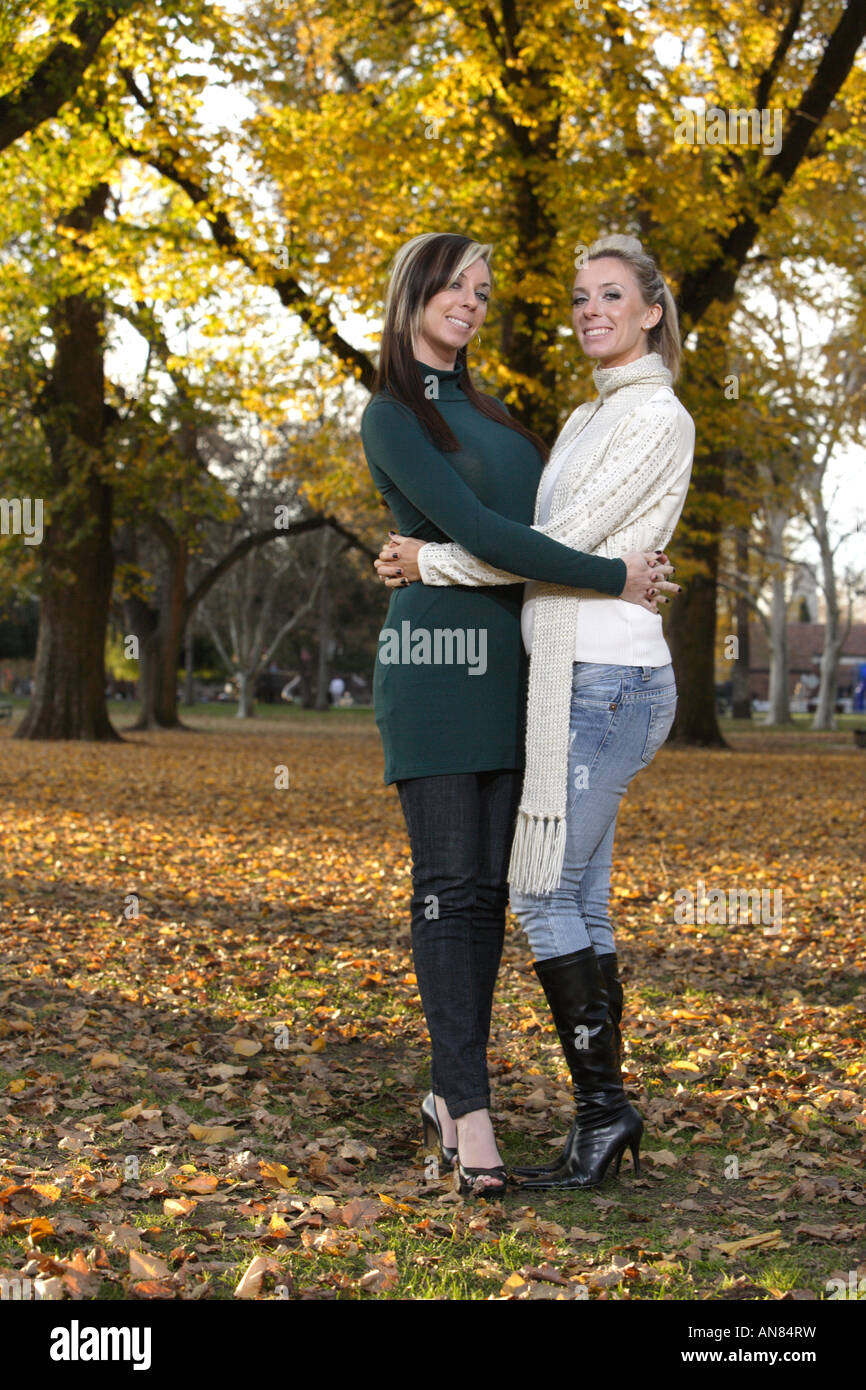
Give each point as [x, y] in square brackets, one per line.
[733, 1247]
[202, 1183]
[250, 1284]
[382, 1272]
[212, 1134]
[101, 1060]
[145, 1266]
[179, 1206]
[277, 1173]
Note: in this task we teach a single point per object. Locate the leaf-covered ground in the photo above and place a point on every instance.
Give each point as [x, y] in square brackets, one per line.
[218, 1096]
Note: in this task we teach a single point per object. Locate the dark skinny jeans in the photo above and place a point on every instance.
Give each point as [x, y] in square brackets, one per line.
[460, 830]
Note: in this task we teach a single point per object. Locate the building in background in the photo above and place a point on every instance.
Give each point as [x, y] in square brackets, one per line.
[805, 642]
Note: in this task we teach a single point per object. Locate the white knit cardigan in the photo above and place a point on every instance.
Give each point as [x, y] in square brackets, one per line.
[608, 495]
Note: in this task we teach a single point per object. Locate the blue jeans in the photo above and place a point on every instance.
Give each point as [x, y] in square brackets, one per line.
[620, 717]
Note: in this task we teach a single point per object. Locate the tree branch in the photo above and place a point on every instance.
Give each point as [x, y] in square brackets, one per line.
[292, 295]
[256, 538]
[59, 75]
[786, 38]
[715, 282]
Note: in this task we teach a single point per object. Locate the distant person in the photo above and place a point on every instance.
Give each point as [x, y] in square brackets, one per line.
[336, 690]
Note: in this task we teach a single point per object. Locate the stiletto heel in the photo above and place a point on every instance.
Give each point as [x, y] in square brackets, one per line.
[635, 1155]
[433, 1131]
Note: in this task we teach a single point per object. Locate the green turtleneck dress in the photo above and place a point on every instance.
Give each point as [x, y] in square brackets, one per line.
[450, 681]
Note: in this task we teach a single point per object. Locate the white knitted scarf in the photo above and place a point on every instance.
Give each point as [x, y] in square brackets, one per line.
[538, 850]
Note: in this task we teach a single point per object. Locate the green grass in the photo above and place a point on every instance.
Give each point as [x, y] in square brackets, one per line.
[125, 712]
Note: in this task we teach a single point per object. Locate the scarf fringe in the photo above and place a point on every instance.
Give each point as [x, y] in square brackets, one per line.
[537, 853]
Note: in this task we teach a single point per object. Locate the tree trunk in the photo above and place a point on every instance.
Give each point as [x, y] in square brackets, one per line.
[159, 653]
[780, 705]
[77, 560]
[171, 626]
[69, 677]
[834, 640]
[189, 654]
[692, 631]
[825, 708]
[141, 621]
[692, 626]
[323, 665]
[528, 331]
[741, 702]
[246, 695]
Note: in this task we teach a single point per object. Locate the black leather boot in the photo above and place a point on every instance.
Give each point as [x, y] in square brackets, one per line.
[606, 1123]
[609, 967]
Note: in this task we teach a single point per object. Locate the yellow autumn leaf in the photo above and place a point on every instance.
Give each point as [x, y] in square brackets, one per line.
[47, 1190]
[101, 1060]
[277, 1173]
[40, 1227]
[733, 1247]
[513, 1284]
[212, 1134]
[390, 1202]
[245, 1047]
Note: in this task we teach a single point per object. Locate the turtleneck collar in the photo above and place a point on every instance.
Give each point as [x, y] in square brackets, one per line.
[448, 387]
[443, 373]
[648, 370]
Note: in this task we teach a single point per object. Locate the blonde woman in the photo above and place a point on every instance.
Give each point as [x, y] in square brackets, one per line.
[449, 684]
[602, 694]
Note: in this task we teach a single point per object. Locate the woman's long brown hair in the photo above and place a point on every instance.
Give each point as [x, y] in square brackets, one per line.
[423, 267]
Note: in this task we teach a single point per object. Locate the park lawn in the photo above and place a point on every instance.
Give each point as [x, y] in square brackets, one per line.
[212, 1052]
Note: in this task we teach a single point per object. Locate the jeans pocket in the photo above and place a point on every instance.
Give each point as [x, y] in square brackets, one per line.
[660, 722]
[593, 683]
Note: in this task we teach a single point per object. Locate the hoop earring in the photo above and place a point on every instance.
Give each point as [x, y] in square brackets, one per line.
[478, 338]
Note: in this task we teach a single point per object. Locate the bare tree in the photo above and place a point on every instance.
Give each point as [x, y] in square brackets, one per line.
[842, 415]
